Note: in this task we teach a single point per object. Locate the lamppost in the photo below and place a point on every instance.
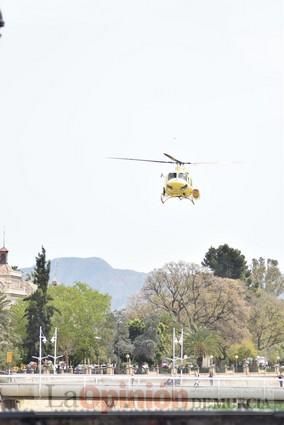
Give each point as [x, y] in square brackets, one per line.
[127, 364]
[277, 366]
[179, 341]
[183, 358]
[54, 357]
[42, 339]
[174, 351]
[236, 362]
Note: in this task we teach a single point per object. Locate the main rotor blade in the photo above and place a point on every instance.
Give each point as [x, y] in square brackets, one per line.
[143, 160]
[203, 163]
[214, 163]
[173, 161]
[176, 160]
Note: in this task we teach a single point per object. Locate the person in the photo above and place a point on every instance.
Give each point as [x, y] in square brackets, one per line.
[211, 377]
[280, 379]
[196, 382]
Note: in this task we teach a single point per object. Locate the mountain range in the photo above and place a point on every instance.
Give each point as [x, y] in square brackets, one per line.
[120, 284]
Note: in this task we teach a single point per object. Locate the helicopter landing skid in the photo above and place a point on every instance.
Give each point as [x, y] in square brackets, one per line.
[185, 197]
[166, 198]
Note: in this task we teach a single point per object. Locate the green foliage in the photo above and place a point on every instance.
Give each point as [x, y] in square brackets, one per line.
[265, 274]
[17, 359]
[275, 354]
[146, 345]
[39, 310]
[122, 344]
[4, 303]
[4, 333]
[136, 327]
[149, 339]
[203, 342]
[17, 330]
[11, 325]
[266, 323]
[243, 350]
[226, 262]
[164, 342]
[84, 322]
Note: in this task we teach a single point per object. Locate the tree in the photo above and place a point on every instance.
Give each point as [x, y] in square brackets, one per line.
[243, 350]
[226, 262]
[39, 310]
[136, 327]
[4, 320]
[194, 298]
[147, 344]
[203, 342]
[4, 303]
[84, 322]
[17, 329]
[266, 323]
[9, 337]
[265, 274]
[122, 344]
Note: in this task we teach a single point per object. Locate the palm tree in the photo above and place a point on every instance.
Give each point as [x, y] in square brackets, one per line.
[203, 342]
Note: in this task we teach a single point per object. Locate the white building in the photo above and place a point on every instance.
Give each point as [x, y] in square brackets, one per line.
[12, 283]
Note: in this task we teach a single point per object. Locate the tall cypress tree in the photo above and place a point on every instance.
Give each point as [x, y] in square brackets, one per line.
[39, 311]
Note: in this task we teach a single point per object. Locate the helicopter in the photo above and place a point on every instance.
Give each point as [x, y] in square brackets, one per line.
[2, 23]
[177, 183]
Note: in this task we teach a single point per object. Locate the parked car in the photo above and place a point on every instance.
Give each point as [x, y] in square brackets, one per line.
[80, 369]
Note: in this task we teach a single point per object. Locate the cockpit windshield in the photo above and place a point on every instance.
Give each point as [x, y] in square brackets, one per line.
[182, 176]
[172, 176]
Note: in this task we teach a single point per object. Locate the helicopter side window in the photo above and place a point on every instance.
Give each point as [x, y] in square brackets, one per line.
[172, 176]
[182, 176]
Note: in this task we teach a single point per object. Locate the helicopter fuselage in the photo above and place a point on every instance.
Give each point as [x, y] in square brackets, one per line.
[178, 184]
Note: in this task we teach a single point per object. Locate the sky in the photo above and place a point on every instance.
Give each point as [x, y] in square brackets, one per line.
[81, 81]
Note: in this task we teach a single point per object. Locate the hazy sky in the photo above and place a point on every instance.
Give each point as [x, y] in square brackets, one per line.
[83, 80]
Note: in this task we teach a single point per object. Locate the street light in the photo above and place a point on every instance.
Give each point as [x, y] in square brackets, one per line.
[182, 364]
[128, 364]
[42, 339]
[55, 357]
[179, 341]
[211, 360]
[236, 362]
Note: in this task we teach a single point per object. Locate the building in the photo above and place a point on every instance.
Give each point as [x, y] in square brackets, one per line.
[12, 283]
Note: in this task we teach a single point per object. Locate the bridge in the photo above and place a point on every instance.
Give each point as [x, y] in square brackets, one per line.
[140, 392]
